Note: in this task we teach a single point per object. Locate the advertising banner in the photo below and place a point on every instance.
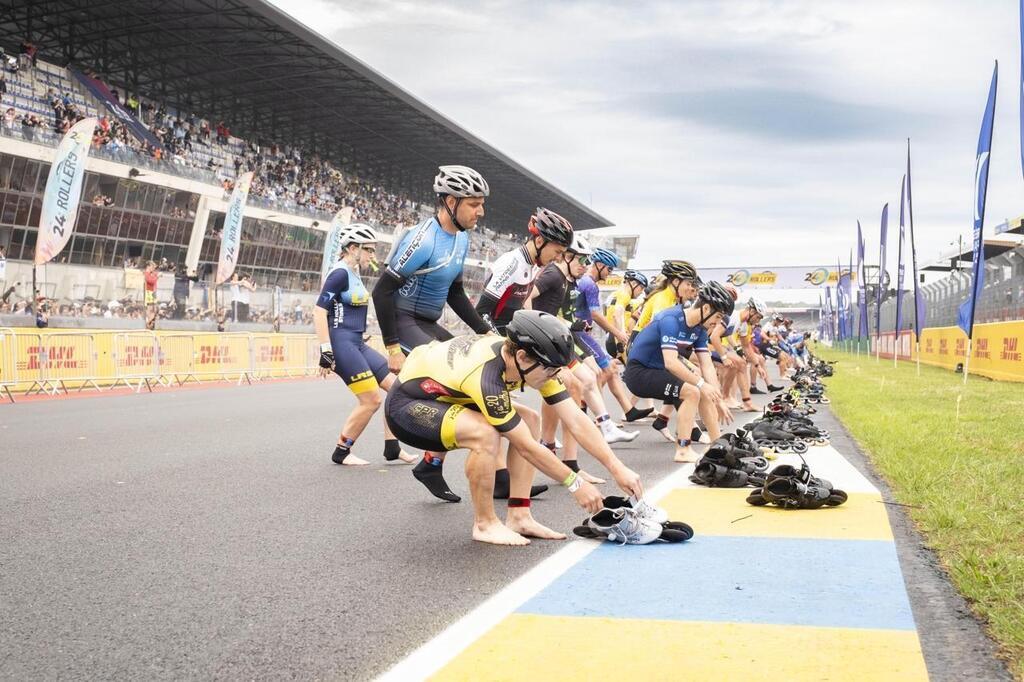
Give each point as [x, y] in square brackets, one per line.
[100, 91]
[232, 233]
[63, 191]
[795, 277]
[332, 245]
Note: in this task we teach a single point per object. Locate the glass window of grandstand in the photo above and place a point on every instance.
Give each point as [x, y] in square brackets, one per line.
[274, 254]
[121, 222]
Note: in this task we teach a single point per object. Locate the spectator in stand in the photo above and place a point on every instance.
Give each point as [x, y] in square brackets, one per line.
[241, 288]
[10, 117]
[3, 87]
[151, 277]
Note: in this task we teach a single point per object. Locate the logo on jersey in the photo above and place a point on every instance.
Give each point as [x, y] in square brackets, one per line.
[498, 404]
[431, 387]
[414, 243]
[460, 345]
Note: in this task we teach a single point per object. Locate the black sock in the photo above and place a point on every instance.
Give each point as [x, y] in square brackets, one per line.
[572, 464]
[660, 422]
[502, 486]
[432, 477]
[695, 434]
[633, 414]
[391, 449]
[340, 453]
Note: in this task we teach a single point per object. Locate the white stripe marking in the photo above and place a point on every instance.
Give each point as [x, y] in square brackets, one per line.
[453, 640]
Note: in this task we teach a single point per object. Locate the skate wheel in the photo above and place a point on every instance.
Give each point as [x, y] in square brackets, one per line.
[799, 447]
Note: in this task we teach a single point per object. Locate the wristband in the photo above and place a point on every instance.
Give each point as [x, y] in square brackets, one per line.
[325, 347]
[572, 482]
[395, 349]
[700, 383]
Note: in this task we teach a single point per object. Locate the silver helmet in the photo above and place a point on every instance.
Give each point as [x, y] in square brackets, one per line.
[460, 182]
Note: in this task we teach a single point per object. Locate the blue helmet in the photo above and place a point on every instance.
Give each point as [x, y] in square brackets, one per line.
[606, 257]
[634, 276]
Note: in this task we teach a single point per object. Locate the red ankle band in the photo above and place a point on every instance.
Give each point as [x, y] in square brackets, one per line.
[518, 502]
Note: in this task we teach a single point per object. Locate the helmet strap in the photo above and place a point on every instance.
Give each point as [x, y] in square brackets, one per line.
[452, 212]
[519, 368]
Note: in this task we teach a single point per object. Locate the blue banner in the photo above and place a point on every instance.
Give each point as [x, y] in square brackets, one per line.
[881, 270]
[899, 260]
[101, 92]
[981, 163]
[919, 310]
[849, 297]
[828, 311]
[840, 302]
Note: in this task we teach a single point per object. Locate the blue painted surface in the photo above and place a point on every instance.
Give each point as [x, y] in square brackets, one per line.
[784, 581]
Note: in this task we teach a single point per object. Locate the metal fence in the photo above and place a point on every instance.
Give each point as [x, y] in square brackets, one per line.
[1001, 300]
[59, 362]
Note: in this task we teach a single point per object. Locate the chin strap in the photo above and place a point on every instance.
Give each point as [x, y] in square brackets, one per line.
[451, 213]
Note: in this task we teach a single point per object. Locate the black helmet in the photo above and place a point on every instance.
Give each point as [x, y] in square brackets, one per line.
[551, 226]
[634, 276]
[543, 336]
[679, 268]
[717, 296]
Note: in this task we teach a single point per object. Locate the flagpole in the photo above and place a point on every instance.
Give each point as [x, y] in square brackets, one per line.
[967, 360]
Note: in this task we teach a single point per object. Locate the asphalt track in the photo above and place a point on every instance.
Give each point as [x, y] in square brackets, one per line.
[205, 533]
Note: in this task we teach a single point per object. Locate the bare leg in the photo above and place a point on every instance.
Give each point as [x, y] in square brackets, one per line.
[690, 396]
[519, 519]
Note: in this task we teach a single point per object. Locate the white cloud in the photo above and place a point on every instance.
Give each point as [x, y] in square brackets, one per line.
[635, 105]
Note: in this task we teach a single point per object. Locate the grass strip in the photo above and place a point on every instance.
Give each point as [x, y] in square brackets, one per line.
[954, 455]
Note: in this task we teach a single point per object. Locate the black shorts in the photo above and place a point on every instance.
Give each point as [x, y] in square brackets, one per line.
[769, 351]
[421, 423]
[415, 331]
[648, 382]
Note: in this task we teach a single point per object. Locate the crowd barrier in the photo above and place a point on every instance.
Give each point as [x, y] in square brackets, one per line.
[997, 350]
[55, 361]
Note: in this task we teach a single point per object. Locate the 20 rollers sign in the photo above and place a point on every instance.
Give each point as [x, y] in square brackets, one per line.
[777, 278]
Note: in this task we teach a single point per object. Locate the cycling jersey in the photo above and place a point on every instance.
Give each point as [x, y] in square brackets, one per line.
[427, 261]
[344, 298]
[508, 286]
[655, 303]
[621, 299]
[668, 330]
[588, 299]
[466, 372]
[553, 288]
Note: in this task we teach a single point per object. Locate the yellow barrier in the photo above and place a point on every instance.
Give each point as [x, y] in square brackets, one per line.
[51, 361]
[997, 351]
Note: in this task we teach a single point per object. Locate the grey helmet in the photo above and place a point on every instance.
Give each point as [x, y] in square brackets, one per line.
[580, 246]
[460, 182]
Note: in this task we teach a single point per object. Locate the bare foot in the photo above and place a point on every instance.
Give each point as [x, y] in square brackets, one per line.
[686, 455]
[353, 461]
[497, 533]
[407, 458]
[526, 525]
[667, 435]
[733, 404]
[591, 479]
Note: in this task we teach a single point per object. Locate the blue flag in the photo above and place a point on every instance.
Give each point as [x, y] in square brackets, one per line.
[919, 311]
[828, 310]
[862, 327]
[899, 262]
[849, 297]
[881, 270]
[981, 162]
[840, 301]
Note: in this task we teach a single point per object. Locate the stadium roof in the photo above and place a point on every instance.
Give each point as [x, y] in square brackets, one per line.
[269, 77]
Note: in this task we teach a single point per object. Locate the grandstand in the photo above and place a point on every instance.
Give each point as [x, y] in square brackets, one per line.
[191, 94]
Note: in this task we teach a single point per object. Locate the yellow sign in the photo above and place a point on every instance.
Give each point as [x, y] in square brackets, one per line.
[997, 351]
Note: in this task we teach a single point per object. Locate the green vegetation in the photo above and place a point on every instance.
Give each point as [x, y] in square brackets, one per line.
[957, 453]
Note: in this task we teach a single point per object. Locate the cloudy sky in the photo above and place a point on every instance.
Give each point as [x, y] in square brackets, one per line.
[742, 132]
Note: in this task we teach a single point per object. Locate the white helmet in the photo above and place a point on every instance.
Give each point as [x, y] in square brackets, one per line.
[357, 233]
[580, 245]
[758, 305]
[460, 182]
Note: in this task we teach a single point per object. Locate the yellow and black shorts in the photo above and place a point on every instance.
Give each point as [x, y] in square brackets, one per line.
[421, 422]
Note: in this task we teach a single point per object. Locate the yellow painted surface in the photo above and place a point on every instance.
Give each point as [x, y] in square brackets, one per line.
[531, 647]
[721, 511]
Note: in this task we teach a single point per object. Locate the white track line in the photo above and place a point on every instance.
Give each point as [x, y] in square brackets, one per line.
[435, 654]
